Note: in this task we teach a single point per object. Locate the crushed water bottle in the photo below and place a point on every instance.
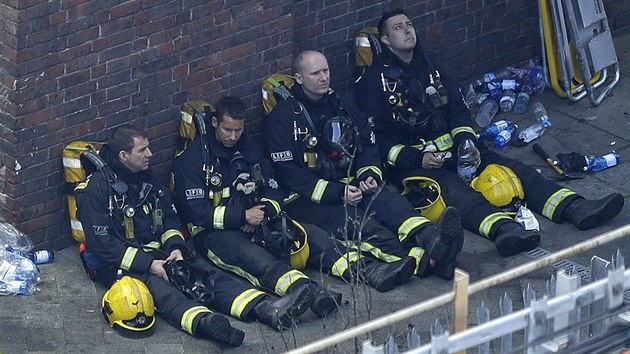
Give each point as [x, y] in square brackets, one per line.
[467, 157]
[491, 131]
[597, 164]
[18, 275]
[522, 99]
[507, 101]
[38, 257]
[504, 137]
[488, 109]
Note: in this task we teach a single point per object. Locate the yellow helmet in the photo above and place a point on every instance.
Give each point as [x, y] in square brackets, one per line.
[128, 306]
[425, 195]
[300, 251]
[499, 185]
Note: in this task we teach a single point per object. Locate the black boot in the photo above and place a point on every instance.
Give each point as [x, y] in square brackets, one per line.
[444, 240]
[279, 313]
[511, 238]
[325, 301]
[386, 276]
[586, 214]
[218, 328]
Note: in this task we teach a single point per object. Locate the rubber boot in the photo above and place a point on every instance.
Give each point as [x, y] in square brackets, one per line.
[586, 214]
[280, 313]
[511, 238]
[217, 327]
[386, 276]
[443, 241]
[325, 301]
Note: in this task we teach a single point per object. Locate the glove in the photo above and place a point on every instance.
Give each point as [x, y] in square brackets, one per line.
[572, 162]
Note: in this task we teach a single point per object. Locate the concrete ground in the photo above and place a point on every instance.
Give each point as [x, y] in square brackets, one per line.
[63, 315]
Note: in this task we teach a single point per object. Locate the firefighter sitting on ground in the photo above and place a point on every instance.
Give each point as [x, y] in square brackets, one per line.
[130, 224]
[316, 140]
[419, 113]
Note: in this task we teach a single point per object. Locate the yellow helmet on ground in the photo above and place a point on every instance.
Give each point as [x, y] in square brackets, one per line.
[128, 306]
[425, 195]
[500, 186]
[300, 251]
[286, 239]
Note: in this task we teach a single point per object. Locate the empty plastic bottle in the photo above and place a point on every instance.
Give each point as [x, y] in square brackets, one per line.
[488, 109]
[492, 130]
[18, 275]
[509, 84]
[597, 164]
[38, 257]
[467, 156]
[534, 131]
[540, 112]
[522, 99]
[504, 137]
[504, 73]
[536, 80]
[495, 89]
[507, 101]
[471, 96]
[119, 274]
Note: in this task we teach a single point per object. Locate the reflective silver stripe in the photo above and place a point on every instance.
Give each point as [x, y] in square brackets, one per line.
[552, 202]
[361, 41]
[374, 169]
[393, 153]
[240, 303]
[463, 129]
[225, 192]
[76, 225]
[444, 142]
[217, 218]
[71, 162]
[377, 252]
[318, 191]
[488, 221]
[152, 245]
[170, 233]
[417, 253]
[275, 204]
[186, 117]
[410, 225]
[130, 254]
[287, 279]
[343, 263]
[188, 318]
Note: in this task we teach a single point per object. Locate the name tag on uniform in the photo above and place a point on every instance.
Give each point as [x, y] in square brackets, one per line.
[282, 156]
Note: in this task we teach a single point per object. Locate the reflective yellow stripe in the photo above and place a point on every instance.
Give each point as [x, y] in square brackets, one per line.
[287, 279]
[552, 203]
[393, 153]
[318, 191]
[360, 41]
[463, 129]
[130, 254]
[374, 169]
[232, 268]
[217, 218]
[152, 245]
[188, 317]
[275, 204]
[488, 221]
[377, 252]
[76, 225]
[343, 263]
[194, 229]
[418, 146]
[417, 253]
[71, 162]
[225, 192]
[171, 233]
[430, 147]
[410, 225]
[245, 298]
[444, 142]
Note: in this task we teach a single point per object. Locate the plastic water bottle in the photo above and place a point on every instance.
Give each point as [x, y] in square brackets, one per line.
[495, 89]
[119, 274]
[467, 156]
[540, 112]
[597, 164]
[504, 137]
[522, 99]
[494, 129]
[534, 131]
[509, 84]
[18, 275]
[505, 73]
[536, 80]
[38, 257]
[488, 109]
[471, 96]
[507, 101]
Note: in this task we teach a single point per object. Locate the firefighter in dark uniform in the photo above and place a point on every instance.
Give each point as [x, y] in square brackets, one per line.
[420, 113]
[130, 223]
[324, 151]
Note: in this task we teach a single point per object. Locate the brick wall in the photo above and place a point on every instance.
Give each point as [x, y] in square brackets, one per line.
[75, 69]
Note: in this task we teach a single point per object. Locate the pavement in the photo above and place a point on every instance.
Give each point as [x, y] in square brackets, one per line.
[63, 315]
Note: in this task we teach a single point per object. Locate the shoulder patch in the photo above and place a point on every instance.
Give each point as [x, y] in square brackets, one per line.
[282, 156]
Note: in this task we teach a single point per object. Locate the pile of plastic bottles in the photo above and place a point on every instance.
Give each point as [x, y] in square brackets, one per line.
[506, 90]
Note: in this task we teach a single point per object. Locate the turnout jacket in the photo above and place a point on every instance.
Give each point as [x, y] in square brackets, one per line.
[245, 176]
[287, 136]
[104, 227]
[402, 145]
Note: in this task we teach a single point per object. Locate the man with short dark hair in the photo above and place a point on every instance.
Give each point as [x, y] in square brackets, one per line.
[420, 114]
[324, 152]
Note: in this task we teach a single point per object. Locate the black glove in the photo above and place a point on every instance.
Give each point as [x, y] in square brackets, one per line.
[572, 162]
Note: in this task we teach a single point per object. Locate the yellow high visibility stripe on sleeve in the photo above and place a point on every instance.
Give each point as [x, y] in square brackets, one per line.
[374, 169]
[318, 191]
[171, 233]
[343, 263]
[245, 298]
[188, 318]
[275, 204]
[218, 217]
[287, 279]
[444, 142]
[152, 245]
[128, 257]
[552, 202]
[462, 129]
[393, 153]
[417, 253]
[489, 221]
[225, 192]
[410, 225]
